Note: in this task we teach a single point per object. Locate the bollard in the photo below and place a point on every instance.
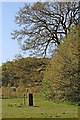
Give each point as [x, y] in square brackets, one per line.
[30, 99]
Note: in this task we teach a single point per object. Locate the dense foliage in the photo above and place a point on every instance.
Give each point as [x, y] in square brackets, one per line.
[25, 70]
[62, 77]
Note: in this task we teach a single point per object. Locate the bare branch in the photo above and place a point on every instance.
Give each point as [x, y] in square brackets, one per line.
[42, 24]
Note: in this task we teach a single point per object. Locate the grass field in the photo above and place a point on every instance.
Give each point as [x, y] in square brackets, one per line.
[13, 108]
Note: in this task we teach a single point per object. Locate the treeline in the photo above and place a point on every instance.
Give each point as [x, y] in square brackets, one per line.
[26, 70]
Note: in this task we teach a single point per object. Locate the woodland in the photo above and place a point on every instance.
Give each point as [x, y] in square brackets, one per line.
[51, 33]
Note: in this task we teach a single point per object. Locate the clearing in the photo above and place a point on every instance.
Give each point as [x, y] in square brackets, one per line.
[14, 108]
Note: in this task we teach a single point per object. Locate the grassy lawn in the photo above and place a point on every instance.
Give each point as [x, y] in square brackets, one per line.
[13, 108]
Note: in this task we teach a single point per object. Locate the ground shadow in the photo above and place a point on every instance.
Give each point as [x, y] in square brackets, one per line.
[36, 106]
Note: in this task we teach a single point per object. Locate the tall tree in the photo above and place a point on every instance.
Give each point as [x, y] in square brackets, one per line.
[62, 78]
[43, 24]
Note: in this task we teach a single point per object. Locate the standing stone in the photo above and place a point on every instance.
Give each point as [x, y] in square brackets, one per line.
[30, 99]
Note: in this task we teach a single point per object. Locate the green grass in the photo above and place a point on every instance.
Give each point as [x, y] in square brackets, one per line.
[13, 108]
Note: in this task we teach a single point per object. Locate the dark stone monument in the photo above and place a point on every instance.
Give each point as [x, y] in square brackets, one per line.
[30, 99]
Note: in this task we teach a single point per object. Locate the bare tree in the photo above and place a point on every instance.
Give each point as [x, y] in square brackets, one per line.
[43, 24]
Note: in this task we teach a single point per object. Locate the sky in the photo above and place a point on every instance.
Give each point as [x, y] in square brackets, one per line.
[8, 9]
[9, 46]
[0, 32]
